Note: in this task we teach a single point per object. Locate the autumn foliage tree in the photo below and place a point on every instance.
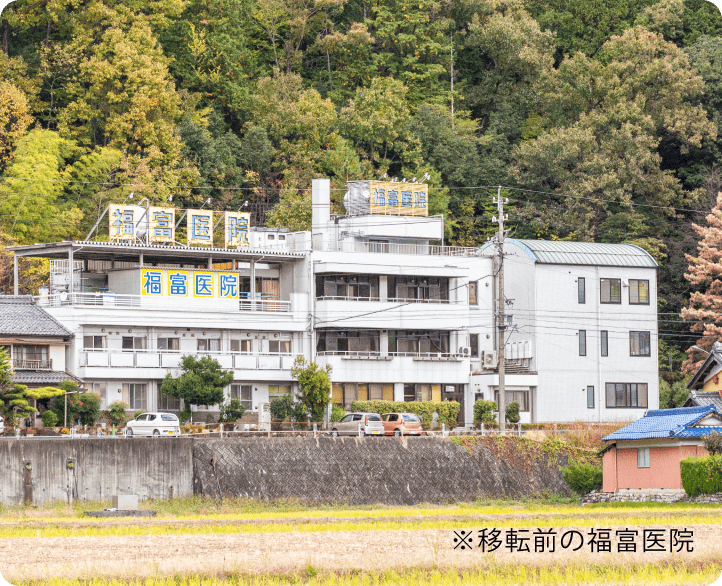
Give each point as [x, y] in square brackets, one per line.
[705, 272]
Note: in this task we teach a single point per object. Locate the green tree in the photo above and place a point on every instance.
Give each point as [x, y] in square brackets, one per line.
[14, 119]
[31, 209]
[315, 386]
[115, 413]
[201, 383]
[232, 411]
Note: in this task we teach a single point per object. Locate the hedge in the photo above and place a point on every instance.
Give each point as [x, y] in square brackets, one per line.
[447, 411]
[583, 478]
[702, 475]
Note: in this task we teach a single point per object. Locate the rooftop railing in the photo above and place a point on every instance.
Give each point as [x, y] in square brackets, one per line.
[399, 248]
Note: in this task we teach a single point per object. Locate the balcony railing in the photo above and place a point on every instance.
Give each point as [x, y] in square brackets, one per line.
[400, 248]
[155, 303]
[32, 364]
[166, 359]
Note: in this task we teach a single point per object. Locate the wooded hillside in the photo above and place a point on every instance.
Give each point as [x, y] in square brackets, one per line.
[601, 120]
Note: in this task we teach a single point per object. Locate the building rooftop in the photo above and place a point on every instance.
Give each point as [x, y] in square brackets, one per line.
[666, 423]
[702, 398]
[714, 359]
[583, 253]
[20, 316]
[42, 377]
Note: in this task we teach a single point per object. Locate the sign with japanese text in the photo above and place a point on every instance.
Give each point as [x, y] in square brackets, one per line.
[177, 283]
[237, 225]
[162, 224]
[123, 220]
[391, 198]
[200, 227]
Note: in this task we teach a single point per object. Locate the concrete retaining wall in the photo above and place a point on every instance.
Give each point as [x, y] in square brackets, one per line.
[349, 470]
[41, 471]
[366, 470]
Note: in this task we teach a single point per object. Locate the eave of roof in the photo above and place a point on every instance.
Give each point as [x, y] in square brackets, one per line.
[665, 423]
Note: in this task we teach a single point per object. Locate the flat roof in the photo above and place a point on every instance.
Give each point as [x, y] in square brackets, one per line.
[130, 251]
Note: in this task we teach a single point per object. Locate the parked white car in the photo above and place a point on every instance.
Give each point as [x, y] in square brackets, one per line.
[370, 423]
[153, 424]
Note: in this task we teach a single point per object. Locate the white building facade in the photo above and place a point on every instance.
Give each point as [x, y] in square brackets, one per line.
[396, 314]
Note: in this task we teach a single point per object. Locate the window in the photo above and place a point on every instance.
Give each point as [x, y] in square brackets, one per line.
[521, 397]
[582, 342]
[416, 342]
[279, 346]
[97, 388]
[360, 342]
[639, 344]
[473, 290]
[166, 402]
[244, 394]
[590, 397]
[642, 457]
[133, 343]
[611, 290]
[275, 391]
[409, 392]
[361, 287]
[604, 335]
[474, 345]
[31, 356]
[626, 395]
[266, 288]
[136, 396]
[638, 292]
[418, 288]
[94, 342]
[581, 290]
[243, 346]
[209, 345]
[171, 344]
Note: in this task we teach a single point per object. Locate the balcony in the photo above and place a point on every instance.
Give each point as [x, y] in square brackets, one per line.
[113, 300]
[399, 248]
[32, 364]
[160, 359]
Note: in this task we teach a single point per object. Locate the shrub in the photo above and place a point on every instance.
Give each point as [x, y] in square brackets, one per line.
[232, 411]
[447, 411]
[484, 411]
[713, 443]
[50, 419]
[115, 413]
[583, 478]
[280, 407]
[512, 412]
[701, 475]
[82, 407]
[337, 413]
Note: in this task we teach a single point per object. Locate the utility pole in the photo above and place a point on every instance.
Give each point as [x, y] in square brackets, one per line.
[500, 303]
[452, 81]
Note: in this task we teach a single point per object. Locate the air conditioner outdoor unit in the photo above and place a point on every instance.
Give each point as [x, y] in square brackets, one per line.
[490, 359]
[465, 351]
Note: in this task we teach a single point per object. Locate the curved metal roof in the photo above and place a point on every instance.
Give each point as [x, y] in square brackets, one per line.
[560, 252]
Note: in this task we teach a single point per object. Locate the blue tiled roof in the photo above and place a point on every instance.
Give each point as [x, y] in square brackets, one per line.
[667, 423]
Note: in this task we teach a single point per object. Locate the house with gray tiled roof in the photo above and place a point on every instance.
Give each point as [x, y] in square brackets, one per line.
[35, 340]
[705, 387]
[646, 454]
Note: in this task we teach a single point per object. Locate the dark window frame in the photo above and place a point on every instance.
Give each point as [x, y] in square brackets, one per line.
[474, 345]
[641, 336]
[582, 342]
[629, 393]
[604, 340]
[636, 285]
[581, 290]
[611, 297]
[590, 397]
[473, 293]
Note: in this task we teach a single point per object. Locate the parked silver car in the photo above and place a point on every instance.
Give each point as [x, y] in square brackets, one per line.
[371, 424]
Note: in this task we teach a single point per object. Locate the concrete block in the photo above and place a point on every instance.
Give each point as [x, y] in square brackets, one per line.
[125, 502]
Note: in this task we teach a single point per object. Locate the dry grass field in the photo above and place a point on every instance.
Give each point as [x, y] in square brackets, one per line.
[197, 541]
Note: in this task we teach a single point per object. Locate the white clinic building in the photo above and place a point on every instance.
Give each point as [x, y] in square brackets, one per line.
[398, 315]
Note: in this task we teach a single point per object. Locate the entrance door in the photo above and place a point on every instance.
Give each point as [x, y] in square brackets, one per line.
[455, 393]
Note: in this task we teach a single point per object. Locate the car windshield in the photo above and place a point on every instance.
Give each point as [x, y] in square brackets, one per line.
[374, 417]
[411, 418]
[141, 418]
[347, 419]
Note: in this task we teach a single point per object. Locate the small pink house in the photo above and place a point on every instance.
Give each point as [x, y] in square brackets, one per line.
[645, 454]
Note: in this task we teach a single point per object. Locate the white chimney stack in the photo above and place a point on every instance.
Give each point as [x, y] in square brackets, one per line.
[321, 206]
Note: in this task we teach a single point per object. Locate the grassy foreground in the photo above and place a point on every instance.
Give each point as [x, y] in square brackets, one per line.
[581, 575]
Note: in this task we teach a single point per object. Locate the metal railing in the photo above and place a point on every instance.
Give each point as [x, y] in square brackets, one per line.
[33, 364]
[118, 358]
[400, 248]
[156, 303]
